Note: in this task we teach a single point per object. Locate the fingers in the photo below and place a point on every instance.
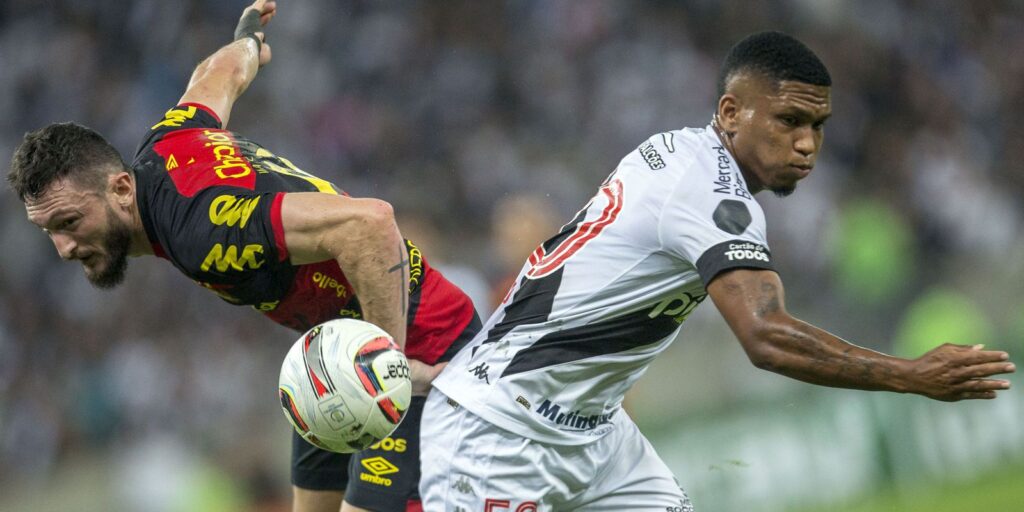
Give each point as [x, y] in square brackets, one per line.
[978, 389]
[986, 395]
[438, 367]
[977, 356]
[986, 369]
[265, 54]
[268, 12]
[265, 8]
[992, 385]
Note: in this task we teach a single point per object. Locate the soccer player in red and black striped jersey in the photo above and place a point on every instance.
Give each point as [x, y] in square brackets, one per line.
[258, 231]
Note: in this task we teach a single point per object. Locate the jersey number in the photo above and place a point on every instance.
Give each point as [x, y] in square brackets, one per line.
[493, 505]
[544, 263]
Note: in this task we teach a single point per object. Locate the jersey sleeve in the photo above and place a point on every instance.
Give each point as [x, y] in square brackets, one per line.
[223, 234]
[183, 116]
[713, 227]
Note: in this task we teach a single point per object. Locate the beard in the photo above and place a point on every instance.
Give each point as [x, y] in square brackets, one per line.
[783, 191]
[116, 244]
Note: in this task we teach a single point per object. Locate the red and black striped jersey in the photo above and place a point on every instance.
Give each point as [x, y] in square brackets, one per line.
[210, 201]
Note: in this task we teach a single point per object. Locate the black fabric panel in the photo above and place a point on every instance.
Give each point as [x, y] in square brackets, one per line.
[316, 469]
[531, 304]
[465, 337]
[730, 255]
[608, 337]
[403, 478]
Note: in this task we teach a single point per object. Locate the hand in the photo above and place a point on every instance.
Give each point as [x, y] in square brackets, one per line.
[422, 375]
[266, 9]
[958, 372]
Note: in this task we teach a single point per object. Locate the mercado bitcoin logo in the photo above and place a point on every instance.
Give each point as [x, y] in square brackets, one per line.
[232, 209]
[378, 467]
[251, 257]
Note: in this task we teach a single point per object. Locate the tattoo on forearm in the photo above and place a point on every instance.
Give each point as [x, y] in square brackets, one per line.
[848, 368]
[768, 302]
[403, 286]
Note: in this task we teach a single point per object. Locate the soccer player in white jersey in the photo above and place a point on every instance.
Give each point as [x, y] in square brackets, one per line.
[528, 416]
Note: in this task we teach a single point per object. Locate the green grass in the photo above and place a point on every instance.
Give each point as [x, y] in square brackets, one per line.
[1001, 491]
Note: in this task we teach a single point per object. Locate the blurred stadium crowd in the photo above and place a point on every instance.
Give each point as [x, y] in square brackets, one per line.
[487, 124]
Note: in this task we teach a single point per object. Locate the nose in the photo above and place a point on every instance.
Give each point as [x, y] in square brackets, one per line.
[804, 143]
[65, 246]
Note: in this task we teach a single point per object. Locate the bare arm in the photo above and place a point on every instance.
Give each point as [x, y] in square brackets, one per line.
[752, 302]
[362, 236]
[220, 80]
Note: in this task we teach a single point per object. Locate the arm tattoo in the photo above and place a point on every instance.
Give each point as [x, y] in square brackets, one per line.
[847, 368]
[403, 263]
[768, 302]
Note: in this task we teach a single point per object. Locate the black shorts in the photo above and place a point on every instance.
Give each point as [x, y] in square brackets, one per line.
[384, 477]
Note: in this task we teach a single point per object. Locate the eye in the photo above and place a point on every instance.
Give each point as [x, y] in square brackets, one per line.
[68, 223]
[820, 125]
[789, 120]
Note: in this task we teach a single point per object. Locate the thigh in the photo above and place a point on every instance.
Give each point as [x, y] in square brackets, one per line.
[385, 476]
[471, 465]
[317, 470]
[633, 478]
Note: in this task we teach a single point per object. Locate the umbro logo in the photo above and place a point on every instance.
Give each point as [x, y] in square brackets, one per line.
[480, 371]
[462, 485]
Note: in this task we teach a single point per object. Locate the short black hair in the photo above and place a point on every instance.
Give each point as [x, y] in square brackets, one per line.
[58, 151]
[776, 55]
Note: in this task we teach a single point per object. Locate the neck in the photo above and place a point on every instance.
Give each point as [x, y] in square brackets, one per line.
[140, 240]
[753, 185]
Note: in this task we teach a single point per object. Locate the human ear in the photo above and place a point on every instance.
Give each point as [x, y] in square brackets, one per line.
[123, 187]
[728, 113]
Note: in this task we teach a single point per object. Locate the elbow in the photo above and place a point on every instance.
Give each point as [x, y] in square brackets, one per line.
[378, 217]
[380, 212]
[758, 343]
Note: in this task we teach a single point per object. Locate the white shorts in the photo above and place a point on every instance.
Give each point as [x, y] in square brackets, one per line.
[470, 465]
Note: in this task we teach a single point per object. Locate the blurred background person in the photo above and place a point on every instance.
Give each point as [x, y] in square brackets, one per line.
[519, 224]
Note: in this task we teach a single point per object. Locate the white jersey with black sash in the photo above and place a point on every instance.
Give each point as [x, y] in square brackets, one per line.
[598, 301]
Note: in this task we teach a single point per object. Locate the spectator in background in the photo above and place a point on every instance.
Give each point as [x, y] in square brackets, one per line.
[519, 223]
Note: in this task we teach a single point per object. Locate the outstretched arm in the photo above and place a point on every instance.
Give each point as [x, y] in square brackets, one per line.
[752, 302]
[220, 80]
[362, 236]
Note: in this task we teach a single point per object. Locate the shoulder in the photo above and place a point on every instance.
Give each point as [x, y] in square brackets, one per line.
[185, 116]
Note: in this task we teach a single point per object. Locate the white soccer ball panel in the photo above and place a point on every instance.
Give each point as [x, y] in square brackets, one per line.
[345, 385]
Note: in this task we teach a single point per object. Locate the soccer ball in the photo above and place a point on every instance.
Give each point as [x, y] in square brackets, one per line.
[345, 385]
